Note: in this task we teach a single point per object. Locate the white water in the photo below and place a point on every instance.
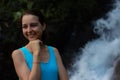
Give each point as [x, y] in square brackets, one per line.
[99, 56]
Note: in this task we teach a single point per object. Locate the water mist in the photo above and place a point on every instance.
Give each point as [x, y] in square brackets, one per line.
[99, 56]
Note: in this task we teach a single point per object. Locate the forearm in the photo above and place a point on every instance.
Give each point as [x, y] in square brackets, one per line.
[35, 72]
[116, 75]
[63, 75]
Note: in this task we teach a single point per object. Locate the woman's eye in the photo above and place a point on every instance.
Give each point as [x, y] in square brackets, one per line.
[24, 26]
[34, 24]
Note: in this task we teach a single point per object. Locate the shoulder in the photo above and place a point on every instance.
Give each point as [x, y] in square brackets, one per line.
[17, 54]
[55, 49]
[56, 52]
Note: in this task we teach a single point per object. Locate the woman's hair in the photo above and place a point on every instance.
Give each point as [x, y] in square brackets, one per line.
[36, 13]
[41, 19]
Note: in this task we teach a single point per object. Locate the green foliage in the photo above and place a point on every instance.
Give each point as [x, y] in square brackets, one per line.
[55, 11]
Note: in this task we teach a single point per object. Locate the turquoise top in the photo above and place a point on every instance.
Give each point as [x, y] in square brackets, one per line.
[49, 70]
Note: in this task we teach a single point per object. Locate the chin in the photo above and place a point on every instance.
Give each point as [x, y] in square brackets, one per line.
[32, 39]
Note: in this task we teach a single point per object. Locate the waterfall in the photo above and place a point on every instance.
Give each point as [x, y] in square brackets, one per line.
[98, 57]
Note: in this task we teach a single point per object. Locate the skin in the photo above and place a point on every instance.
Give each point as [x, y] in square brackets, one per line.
[32, 29]
[116, 74]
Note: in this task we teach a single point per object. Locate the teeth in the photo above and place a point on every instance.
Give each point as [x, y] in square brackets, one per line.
[30, 35]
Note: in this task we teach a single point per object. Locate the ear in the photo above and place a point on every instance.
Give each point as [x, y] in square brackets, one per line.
[44, 26]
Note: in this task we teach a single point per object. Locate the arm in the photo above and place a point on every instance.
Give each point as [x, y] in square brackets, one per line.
[62, 71]
[22, 69]
[116, 74]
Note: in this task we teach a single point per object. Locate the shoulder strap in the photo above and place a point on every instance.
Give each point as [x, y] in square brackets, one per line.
[52, 54]
[28, 56]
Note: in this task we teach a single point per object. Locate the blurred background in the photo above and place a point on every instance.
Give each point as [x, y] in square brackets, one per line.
[69, 27]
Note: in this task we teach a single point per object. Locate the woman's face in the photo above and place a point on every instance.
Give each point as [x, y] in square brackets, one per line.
[31, 27]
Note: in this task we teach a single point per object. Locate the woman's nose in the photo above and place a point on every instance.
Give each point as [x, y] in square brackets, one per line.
[29, 29]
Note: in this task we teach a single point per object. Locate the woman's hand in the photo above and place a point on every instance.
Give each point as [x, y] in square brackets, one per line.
[35, 47]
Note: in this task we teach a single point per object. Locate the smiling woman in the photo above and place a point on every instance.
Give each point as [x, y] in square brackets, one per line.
[31, 27]
[36, 60]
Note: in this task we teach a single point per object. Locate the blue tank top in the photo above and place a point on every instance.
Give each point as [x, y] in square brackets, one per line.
[49, 70]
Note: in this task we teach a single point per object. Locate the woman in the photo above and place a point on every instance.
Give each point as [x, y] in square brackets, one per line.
[37, 61]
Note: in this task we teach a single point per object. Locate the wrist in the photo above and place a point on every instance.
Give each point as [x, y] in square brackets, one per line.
[36, 62]
[36, 58]
[36, 53]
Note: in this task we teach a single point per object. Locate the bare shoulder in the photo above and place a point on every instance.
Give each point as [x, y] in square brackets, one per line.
[57, 52]
[17, 54]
